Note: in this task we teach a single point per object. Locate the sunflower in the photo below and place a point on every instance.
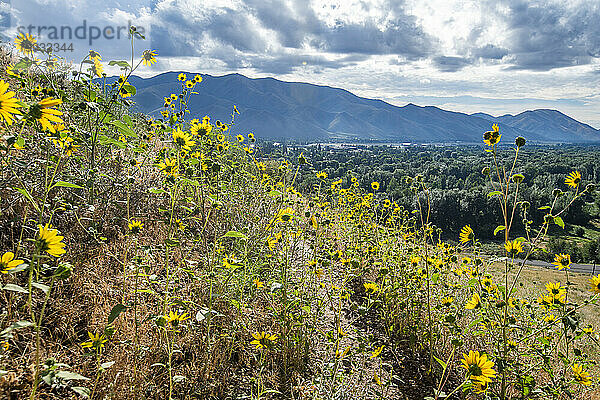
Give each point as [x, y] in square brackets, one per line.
[149, 57]
[263, 339]
[562, 261]
[492, 137]
[43, 112]
[197, 78]
[66, 144]
[183, 139]
[8, 104]
[284, 215]
[180, 224]
[447, 301]
[555, 289]
[371, 287]
[181, 77]
[25, 43]
[8, 262]
[169, 167]
[487, 281]
[123, 92]
[582, 377]
[240, 138]
[573, 179]
[94, 55]
[414, 261]
[514, 247]
[50, 241]
[174, 318]
[135, 227]
[36, 91]
[258, 283]
[478, 367]
[545, 301]
[97, 68]
[550, 318]
[96, 341]
[321, 175]
[190, 84]
[466, 234]
[595, 282]
[375, 185]
[474, 303]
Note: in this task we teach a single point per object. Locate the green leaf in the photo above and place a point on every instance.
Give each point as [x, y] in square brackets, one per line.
[157, 191]
[115, 312]
[19, 268]
[72, 376]
[91, 94]
[25, 193]
[544, 208]
[122, 64]
[104, 140]
[498, 229]
[172, 242]
[15, 288]
[15, 326]
[23, 63]
[275, 193]
[234, 234]
[494, 193]
[41, 286]
[66, 184]
[107, 365]
[559, 221]
[131, 89]
[443, 364]
[82, 391]
[123, 128]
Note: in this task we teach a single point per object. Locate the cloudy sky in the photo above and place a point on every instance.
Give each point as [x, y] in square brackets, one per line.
[495, 56]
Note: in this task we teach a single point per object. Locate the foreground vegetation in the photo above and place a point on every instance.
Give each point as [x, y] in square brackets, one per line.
[171, 258]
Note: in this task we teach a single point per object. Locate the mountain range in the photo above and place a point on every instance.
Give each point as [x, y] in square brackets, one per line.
[303, 112]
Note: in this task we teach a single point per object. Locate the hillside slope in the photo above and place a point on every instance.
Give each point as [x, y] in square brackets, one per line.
[307, 112]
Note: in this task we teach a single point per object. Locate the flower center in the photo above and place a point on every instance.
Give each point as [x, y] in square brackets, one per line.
[475, 370]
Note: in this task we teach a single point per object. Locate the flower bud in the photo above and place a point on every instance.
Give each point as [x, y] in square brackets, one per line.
[518, 178]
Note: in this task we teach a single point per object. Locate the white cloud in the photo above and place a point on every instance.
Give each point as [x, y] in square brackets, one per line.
[459, 54]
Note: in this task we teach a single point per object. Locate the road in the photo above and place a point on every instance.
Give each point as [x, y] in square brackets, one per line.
[589, 269]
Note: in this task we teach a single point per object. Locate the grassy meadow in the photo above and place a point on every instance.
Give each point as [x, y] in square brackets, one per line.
[173, 258]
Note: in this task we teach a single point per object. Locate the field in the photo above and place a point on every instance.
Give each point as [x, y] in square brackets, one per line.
[180, 258]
